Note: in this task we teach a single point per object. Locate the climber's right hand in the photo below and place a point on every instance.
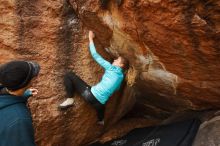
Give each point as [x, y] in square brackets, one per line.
[91, 35]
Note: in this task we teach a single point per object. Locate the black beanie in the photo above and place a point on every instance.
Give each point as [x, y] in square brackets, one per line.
[15, 75]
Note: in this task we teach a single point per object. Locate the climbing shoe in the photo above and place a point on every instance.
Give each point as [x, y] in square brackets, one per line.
[101, 122]
[66, 104]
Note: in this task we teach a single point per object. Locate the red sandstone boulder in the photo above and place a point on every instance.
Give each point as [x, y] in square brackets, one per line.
[172, 46]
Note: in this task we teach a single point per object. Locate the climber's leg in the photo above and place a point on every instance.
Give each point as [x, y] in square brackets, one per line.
[72, 84]
[100, 108]
[90, 98]
[101, 113]
[77, 83]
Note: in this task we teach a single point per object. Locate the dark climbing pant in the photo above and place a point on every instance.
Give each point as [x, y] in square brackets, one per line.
[74, 83]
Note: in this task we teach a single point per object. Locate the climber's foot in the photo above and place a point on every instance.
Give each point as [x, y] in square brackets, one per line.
[101, 122]
[66, 104]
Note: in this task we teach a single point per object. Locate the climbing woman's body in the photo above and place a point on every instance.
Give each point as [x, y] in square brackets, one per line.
[98, 94]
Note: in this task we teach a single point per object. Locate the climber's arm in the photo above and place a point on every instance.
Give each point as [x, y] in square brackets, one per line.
[98, 58]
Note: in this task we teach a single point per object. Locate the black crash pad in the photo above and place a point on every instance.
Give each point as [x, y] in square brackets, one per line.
[175, 134]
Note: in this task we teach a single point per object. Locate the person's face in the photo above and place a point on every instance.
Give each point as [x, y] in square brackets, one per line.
[118, 62]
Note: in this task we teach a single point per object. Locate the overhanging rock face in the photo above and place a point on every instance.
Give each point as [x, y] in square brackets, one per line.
[172, 47]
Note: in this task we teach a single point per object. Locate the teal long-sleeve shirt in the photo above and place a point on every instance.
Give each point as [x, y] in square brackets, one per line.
[111, 80]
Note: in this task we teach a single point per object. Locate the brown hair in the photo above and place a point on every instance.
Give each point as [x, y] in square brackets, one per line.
[125, 63]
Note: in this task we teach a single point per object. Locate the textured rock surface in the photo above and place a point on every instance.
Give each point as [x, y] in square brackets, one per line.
[172, 46]
[209, 133]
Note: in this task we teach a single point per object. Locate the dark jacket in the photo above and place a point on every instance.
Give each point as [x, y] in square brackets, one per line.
[15, 121]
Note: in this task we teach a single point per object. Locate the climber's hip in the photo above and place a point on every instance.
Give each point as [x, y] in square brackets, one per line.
[90, 98]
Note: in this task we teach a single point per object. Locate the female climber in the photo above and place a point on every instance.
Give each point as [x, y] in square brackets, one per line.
[98, 94]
